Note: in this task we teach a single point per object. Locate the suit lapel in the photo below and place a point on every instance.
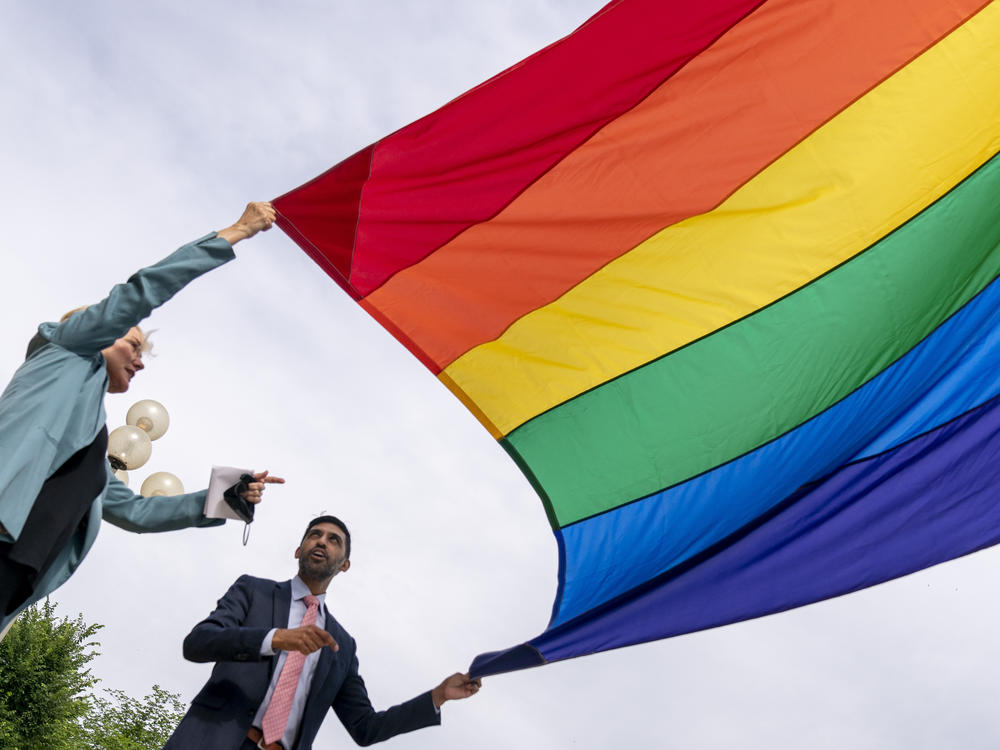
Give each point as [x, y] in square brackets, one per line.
[281, 603]
[326, 659]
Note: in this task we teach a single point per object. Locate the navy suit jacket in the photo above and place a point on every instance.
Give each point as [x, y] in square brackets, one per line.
[220, 715]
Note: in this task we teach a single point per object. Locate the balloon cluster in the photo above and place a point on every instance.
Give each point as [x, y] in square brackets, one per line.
[131, 445]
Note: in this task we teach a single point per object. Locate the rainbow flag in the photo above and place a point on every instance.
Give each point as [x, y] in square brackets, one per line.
[721, 277]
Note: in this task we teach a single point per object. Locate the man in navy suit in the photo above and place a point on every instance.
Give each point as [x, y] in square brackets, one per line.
[282, 660]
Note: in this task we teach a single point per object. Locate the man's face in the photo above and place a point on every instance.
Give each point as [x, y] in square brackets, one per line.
[321, 554]
[123, 360]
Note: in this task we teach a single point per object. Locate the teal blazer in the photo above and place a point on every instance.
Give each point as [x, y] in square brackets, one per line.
[54, 406]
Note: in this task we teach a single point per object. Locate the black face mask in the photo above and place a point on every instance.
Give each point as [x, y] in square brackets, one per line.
[235, 500]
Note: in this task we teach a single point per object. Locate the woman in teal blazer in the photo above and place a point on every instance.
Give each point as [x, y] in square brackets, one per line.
[52, 417]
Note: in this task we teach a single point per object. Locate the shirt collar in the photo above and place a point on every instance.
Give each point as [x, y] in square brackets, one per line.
[300, 591]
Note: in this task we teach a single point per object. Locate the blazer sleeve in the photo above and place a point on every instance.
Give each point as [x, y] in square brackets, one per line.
[223, 636]
[138, 513]
[366, 725]
[99, 325]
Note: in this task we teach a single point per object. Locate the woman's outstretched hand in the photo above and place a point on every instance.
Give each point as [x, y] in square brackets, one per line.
[255, 489]
[257, 217]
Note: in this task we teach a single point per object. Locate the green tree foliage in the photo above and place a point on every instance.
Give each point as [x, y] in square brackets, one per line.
[47, 692]
[44, 679]
[126, 723]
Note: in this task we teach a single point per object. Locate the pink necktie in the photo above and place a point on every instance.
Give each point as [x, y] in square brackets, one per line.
[276, 716]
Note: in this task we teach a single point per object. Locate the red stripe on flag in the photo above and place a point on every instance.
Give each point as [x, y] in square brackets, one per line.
[463, 163]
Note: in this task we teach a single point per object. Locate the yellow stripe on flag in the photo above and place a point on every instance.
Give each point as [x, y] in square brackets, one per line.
[870, 169]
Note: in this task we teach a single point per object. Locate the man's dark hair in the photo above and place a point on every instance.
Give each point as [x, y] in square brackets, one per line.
[336, 522]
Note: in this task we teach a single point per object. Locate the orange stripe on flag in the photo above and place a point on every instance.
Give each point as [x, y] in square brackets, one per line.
[768, 83]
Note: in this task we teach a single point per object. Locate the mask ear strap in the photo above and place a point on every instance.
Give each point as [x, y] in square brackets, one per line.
[246, 533]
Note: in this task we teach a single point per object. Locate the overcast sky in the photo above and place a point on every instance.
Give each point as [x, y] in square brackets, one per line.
[131, 128]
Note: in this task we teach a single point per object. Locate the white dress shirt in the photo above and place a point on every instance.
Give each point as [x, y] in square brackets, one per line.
[296, 611]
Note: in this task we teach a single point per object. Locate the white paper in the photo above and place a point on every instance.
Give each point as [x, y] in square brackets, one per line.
[223, 477]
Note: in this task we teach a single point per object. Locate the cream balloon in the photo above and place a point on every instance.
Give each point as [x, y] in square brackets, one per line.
[161, 483]
[130, 446]
[150, 416]
[122, 476]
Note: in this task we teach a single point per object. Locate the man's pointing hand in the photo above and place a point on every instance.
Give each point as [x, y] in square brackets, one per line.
[305, 639]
